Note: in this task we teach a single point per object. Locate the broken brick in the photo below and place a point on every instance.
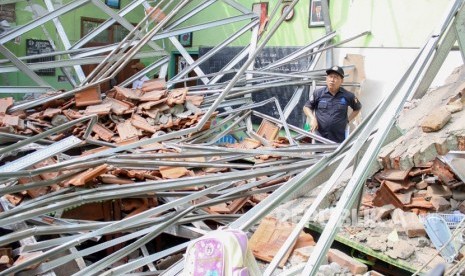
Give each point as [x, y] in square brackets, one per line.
[344, 260]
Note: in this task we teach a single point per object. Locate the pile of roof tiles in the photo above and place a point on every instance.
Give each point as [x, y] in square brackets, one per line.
[123, 114]
[432, 188]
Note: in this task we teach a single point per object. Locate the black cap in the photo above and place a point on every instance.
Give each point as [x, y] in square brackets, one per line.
[336, 69]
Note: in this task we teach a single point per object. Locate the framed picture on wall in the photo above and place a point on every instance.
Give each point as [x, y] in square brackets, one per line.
[315, 18]
[115, 4]
[261, 9]
[185, 39]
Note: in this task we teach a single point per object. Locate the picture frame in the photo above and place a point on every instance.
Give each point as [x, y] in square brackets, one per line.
[185, 39]
[61, 78]
[285, 8]
[115, 4]
[261, 9]
[315, 15]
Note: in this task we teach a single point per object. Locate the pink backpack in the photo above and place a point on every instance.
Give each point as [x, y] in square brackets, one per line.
[220, 253]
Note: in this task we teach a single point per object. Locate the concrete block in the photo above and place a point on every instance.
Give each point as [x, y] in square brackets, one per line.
[401, 250]
[436, 120]
[345, 260]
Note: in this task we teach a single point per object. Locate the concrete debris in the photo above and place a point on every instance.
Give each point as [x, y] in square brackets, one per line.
[436, 120]
[150, 167]
[344, 260]
[415, 147]
[401, 250]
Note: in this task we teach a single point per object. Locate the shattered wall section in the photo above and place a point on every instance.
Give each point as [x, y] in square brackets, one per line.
[417, 147]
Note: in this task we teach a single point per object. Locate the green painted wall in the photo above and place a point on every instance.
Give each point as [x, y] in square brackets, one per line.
[72, 24]
[393, 23]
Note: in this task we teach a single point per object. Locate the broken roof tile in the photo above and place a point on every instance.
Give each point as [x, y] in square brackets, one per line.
[153, 105]
[126, 93]
[141, 123]
[169, 172]
[443, 172]
[126, 130]
[5, 103]
[195, 99]
[419, 171]
[113, 179]
[119, 107]
[268, 239]
[177, 96]
[396, 186]
[87, 176]
[100, 109]
[35, 192]
[9, 120]
[394, 175]
[50, 112]
[72, 114]
[155, 84]
[89, 96]
[268, 130]
[405, 198]
[385, 196]
[14, 199]
[103, 132]
[419, 202]
[249, 143]
[152, 95]
[45, 163]
[30, 125]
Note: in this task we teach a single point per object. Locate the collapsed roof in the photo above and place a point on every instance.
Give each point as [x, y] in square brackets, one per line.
[121, 135]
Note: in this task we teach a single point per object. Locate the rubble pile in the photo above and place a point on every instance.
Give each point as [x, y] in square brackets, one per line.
[132, 188]
[394, 205]
[429, 127]
[123, 113]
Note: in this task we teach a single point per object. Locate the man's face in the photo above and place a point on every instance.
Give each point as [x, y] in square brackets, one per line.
[333, 81]
[317, 9]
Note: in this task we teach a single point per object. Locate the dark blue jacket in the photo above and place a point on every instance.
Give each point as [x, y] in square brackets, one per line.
[331, 111]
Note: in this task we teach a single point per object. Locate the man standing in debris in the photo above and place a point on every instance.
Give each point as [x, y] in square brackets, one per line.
[327, 107]
[137, 84]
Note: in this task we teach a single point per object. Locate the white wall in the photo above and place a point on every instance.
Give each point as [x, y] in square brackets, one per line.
[384, 67]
